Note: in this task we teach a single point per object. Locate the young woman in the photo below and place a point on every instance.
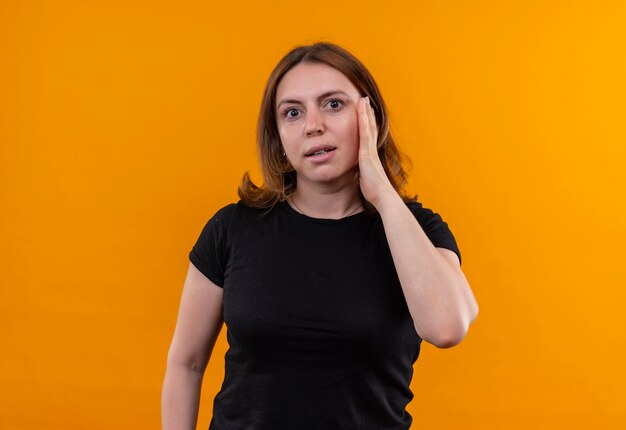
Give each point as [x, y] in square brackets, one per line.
[328, 276]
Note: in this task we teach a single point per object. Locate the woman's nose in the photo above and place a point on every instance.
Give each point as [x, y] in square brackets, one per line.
[314, 123]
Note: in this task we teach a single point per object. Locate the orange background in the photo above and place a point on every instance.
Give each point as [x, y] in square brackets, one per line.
[124, 125]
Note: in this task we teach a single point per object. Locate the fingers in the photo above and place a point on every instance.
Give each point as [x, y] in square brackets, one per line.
[363, 121]
[372, 121]
[367, 125]
[363, 115]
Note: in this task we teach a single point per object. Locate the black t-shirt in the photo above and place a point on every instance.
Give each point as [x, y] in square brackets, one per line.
[319, 332]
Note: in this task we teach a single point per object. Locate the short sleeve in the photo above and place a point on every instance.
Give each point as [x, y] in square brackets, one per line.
[435, 228]
[210, 252]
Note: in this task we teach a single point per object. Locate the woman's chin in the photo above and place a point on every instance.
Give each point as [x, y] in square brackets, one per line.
[331, 178]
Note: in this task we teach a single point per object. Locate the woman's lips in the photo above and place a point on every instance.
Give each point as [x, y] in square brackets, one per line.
[319, 148]
[321, 157]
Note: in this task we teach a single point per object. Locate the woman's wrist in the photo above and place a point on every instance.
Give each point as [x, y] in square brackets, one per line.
[390, 201]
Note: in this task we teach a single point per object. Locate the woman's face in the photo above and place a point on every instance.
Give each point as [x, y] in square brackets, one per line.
[317, 122]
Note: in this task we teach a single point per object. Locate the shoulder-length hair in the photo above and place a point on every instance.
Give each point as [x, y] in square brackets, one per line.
[279, 177]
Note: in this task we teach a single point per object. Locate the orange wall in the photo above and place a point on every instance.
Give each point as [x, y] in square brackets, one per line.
[124, 125]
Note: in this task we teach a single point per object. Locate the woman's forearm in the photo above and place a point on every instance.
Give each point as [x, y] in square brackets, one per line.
[438, 296]
[180, 397]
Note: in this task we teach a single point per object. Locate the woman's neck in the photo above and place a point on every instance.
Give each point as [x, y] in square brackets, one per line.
[326, 201]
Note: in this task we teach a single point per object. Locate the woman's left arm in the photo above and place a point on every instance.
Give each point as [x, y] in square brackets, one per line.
[437, 293]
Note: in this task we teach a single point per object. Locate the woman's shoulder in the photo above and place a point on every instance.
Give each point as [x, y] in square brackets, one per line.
[240, 209]
[415, 206]
[225, 213]
[425, 215]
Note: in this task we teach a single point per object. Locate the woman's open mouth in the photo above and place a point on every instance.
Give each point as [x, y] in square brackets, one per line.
[319, 150]
[319, 154]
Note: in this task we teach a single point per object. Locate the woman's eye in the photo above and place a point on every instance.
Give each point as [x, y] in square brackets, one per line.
[332, 102]
[290, 110]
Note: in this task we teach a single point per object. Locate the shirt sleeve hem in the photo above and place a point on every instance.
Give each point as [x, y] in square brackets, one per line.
[197, 262]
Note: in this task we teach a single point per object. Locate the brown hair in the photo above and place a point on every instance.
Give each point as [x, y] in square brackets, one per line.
[279, 177]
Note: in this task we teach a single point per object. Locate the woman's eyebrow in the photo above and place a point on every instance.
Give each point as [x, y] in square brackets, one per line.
[321, 96]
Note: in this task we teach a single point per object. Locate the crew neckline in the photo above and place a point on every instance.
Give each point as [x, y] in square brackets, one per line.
[294, 213]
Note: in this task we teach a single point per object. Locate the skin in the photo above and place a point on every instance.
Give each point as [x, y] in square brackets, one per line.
[326, 190]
